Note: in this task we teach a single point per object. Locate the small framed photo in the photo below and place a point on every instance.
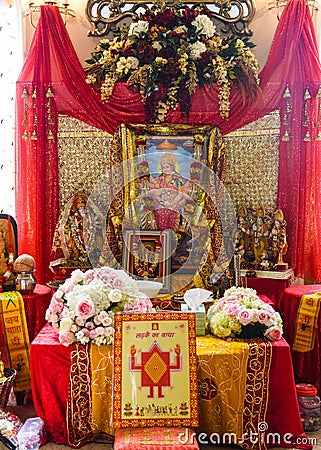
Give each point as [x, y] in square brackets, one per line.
[147, 255]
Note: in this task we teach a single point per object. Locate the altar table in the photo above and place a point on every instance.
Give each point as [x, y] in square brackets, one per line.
[272, 287]
[230, 400]
[307, 365]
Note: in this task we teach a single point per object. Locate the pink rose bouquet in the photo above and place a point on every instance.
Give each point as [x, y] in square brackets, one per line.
[241, 313]
[83, 308]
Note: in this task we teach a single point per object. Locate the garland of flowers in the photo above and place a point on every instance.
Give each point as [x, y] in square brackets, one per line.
[142, 270]
[167, 54]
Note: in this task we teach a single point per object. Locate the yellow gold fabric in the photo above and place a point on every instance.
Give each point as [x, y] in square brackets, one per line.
[222, 381]
[101, 361]
[17, 336]
[233, 388]
[306, 322]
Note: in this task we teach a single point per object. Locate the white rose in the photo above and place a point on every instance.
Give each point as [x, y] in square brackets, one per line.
[204, 25]
[65, 324]
[136, 28]
[77, 276]
[115, 295]
[197, 49]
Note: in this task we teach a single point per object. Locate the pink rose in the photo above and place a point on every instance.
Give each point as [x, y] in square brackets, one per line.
[143, 305]
[245, 316]
[51, 316]
[109, 331]
[267, 307]
[273, 333]
[263, 317]
[66, 338]
[55, 306]
[89, 276]
[85, 308]
[90, 325]
[68, 286]
[232, 309]
[93, 334]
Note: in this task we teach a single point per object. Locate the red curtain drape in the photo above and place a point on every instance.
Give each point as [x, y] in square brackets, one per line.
[52, 82]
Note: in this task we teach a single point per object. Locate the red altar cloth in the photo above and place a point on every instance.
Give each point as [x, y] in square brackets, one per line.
[307, 365]
[270, 287]
[50, 370]
[36, 305]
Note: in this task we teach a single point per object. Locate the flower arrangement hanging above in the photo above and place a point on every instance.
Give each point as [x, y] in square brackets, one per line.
[83, 308]
[168, 54]
[241, 313]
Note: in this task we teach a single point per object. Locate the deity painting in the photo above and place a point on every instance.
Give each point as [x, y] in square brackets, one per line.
[169, 163]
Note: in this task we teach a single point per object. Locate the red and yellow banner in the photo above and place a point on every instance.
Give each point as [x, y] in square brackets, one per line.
[306, 322]
[16, 336]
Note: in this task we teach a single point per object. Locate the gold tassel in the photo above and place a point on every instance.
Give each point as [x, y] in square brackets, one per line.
[286, 137]
[318, 95]
[307, 97]
[25, 135]
[34, 136]
[25, 93]
[50, 136]
[307, 137]
[24, 123]
[49, 93]
[287, 93]
[307, 94]
[318, 137]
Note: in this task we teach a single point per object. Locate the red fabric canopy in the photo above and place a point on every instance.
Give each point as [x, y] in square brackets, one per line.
[52, 82]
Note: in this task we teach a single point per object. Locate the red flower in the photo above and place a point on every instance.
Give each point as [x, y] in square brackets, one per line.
[128, 51]
[166, 53]
[165, 78]
[205, 59]
[166, 18]
[189, 15]
[148, 54]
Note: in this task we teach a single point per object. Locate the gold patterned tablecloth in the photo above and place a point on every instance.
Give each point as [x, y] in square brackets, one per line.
[233, 388]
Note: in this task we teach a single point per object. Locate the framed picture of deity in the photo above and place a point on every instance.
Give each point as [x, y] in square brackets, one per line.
[147, 256]
[171, 175]
[154, 356]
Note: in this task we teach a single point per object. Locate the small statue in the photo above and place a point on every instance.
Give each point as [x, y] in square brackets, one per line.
[260, 234]
[281, 241]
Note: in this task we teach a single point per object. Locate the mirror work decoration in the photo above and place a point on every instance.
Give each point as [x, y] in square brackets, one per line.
[230, 17]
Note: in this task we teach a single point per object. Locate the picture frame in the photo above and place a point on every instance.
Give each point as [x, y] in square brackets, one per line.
[192, 216]
[148, 249]
[154, 355]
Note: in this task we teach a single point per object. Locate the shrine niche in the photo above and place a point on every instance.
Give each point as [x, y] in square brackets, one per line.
[72, 237]
[189, 200]
[261, 239]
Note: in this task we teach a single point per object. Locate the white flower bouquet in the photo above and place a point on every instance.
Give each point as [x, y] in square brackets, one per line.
[82, 309]
[241, 313]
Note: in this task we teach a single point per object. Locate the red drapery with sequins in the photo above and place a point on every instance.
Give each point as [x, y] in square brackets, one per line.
[52, 82]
